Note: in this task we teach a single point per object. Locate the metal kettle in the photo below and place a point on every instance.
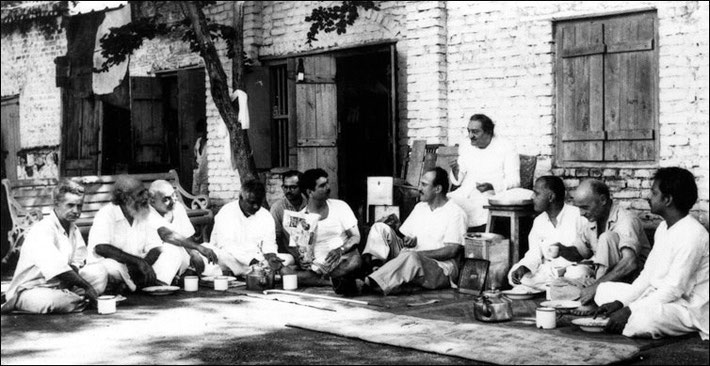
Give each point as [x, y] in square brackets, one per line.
[492, 307]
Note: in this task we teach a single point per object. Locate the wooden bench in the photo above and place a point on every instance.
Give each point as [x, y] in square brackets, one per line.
[29, 200]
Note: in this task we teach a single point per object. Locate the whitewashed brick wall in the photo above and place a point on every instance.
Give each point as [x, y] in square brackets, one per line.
[28, 70]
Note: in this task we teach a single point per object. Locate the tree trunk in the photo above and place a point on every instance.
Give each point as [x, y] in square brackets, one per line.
[241, 150]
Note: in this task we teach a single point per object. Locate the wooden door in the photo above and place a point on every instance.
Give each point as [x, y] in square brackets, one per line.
[10, 136]
[191, 108]
[316, 118]
[260, 135]
[149, 146]
[81, 134]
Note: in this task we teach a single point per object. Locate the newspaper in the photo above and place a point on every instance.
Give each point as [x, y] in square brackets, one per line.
[301, 228]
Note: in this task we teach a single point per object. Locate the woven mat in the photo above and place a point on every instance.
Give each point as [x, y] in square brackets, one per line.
[480, 342]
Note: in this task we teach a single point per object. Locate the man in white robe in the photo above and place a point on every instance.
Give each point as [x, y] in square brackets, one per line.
[670, 296]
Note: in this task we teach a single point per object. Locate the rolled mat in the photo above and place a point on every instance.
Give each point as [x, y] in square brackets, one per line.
[474, 341]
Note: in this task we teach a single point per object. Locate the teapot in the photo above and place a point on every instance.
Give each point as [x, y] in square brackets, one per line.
[260, 279]
[492, 307]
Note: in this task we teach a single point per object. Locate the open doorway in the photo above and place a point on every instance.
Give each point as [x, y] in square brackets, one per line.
[366, 138]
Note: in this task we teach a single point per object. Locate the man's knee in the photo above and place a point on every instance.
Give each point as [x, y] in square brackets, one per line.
[49, 301]
[96, 275]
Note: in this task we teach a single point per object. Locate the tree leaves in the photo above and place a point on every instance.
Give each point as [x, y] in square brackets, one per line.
[335, 18]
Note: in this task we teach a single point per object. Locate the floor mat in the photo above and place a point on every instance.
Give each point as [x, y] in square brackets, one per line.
[474, 341]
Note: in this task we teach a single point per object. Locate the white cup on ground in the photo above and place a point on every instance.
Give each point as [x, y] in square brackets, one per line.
[191, 283]
[106, 304]
[290, 281]
[546, 318]
[221, 283]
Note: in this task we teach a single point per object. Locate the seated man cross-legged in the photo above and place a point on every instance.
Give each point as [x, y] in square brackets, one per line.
[244, 234]
[426, 249]
[670, 296]
[124, 240]
[49, 277]
[176, 229]
[557, 225]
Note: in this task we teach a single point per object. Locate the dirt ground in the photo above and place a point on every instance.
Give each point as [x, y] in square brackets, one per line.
[211, 327]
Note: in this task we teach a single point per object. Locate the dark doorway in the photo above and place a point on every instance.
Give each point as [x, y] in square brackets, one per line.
[364, 84]
[116, 138]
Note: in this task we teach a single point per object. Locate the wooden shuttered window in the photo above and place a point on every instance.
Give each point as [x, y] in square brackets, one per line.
[607, 94]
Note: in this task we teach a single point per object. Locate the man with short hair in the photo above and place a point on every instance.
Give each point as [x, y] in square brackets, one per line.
[425, 250]
[488, 166]
[177, 228]
[335, 253]
[293, 201]
[670, 296]
[244, 233]
[614, 235]
[557, 224]
[49, 277]
[124, 240]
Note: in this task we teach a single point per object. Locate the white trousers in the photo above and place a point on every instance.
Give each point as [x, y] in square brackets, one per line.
[173, 260]
[472, 204]
[653, 320]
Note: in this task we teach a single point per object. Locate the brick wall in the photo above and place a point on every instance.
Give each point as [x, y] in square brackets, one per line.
[500, 62]
[28, 70]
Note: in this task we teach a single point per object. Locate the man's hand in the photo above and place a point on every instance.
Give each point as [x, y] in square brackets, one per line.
[140, 269]
[208, 253]
[586, 295]
[617, 320]
[274, 261]
[553, 251]
[90, 293]
[608, 308]
[333, 256]
[454, 165]
[409, 241]
[518, 274]
[484, 187]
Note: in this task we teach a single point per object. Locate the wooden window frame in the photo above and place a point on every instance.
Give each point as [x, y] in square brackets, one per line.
[557, 102]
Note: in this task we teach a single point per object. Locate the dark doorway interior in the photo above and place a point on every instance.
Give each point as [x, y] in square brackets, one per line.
[364, 108]
[116, 140]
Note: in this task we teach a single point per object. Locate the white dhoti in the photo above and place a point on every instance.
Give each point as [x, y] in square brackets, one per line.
[651, 319]
[43, 300]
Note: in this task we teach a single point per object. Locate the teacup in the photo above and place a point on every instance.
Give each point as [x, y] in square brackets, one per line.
[106, 304]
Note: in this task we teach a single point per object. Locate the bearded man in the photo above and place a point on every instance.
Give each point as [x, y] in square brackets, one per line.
[124, 239]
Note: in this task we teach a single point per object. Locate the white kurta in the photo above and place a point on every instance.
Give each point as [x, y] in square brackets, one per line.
[670, 296]
[178, 221]
[497, 164]
[244, 238]
[542, 235]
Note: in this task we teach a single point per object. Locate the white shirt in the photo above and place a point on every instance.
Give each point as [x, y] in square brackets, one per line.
[544, 233]
[47, 251]
[497, 164]
[111, 227]
[330, 232]
[245, 238]
[676, 271]
[177, 220]
[433, 228]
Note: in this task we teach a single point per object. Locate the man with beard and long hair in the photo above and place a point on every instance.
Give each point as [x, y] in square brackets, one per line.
[124, 240]
[50, 276]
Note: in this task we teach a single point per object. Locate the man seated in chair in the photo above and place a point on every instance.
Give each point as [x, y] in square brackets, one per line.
[557, 224]
[613, 234]
[124, 240]
[177, 228]
[49, 277]
[489, 166]
[426, 249]
[670, 296]
[244, 234]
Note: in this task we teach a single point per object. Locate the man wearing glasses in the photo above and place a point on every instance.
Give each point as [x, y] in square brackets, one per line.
[293, 201]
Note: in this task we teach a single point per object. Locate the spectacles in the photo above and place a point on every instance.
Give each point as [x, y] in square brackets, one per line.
[290, 187]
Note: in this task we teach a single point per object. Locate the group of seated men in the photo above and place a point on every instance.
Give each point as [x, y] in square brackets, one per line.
[144, 237]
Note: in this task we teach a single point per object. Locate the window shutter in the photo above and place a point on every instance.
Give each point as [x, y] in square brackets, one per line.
[580, 90]
[629, 88]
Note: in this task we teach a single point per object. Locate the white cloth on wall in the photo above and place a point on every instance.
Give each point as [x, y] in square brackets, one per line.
[242, 99]
[106, 82]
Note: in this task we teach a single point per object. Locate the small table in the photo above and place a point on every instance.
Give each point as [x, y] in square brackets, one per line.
[514, 213]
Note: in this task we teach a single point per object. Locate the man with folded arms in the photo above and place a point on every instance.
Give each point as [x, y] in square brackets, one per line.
[557, 224]
[426, 249]
[124, 240]
[49, 277]
[670, 296]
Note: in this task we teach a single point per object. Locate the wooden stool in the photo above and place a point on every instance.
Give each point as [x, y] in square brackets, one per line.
[514, 213]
